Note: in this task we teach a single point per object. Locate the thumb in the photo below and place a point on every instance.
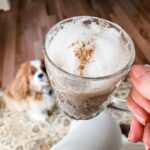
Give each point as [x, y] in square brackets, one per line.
[140, 77]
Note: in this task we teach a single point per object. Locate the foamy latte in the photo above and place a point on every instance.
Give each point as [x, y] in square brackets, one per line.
[86, 58]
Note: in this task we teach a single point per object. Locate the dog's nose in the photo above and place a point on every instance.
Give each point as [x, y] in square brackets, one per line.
[50, 92]
[40, 75]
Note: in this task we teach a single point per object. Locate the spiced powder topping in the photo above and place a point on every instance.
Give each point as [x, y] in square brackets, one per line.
[84, 53]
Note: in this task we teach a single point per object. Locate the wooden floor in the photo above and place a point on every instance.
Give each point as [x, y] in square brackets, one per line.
[23, 27]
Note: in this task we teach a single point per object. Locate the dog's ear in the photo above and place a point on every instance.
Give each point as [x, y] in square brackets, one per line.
[20, 85]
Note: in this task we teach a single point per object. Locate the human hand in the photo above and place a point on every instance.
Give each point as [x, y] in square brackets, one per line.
[139, 104]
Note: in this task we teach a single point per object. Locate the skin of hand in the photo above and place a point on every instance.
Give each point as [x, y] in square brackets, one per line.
[139, 104]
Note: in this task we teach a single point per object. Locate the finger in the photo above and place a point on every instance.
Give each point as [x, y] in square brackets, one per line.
[146, 136]
[140, 77]
[140, 100]
[141, 115]
[136, 131]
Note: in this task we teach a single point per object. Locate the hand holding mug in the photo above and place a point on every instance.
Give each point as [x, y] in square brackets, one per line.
[139, 104]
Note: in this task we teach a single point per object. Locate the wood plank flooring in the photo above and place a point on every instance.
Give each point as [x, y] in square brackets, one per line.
[22, 29]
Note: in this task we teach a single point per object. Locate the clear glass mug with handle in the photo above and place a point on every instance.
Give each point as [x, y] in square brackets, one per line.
[85, 97]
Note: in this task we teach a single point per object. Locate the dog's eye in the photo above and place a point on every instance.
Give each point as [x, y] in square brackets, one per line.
[44, 69]
[32, 71]
[43, 66]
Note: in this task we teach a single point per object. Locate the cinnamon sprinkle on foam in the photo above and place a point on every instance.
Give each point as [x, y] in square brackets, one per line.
[84, 55]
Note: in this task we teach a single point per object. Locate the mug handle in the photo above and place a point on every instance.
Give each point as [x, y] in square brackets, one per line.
[117, 102]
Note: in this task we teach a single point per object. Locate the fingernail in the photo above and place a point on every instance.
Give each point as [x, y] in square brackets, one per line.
[130, 136]
[137, 71]
[147, 147]
[129, 139]
[140, 119]
[147, 65]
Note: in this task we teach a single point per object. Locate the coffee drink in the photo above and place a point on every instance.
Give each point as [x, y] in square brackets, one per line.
[84, 56]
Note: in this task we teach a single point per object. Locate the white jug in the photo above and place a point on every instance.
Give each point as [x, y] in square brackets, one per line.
[99, 133]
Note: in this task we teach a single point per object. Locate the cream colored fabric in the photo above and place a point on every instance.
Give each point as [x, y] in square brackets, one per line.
[5, 5]
[132, 146]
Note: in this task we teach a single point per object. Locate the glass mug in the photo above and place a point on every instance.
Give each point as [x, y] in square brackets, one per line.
[85, 97]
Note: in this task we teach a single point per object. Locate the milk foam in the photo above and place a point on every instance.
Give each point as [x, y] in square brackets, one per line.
[109, 55]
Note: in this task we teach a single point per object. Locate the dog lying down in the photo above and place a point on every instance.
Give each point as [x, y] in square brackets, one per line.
[31, 91]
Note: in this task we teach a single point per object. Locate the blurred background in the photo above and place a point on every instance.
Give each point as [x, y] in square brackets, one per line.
[23, 24]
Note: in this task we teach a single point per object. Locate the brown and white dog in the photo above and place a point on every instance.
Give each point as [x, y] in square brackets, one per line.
[31, 91]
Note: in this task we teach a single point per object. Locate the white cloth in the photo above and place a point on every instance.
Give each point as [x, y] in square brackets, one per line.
[5, 5]
[99, 133]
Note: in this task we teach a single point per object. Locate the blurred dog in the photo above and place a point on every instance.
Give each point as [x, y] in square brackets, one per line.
[31, 91]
